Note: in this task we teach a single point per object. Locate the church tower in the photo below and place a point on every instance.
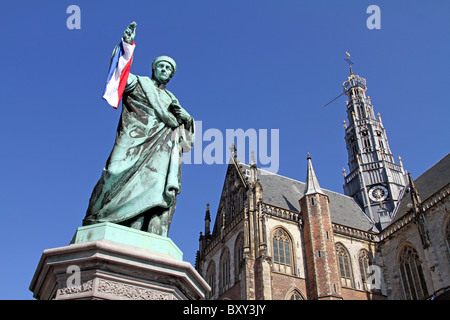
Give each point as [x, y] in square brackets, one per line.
[320, 251]
[374, 180]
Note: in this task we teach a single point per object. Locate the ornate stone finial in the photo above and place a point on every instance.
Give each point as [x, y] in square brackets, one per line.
[233, 154]
[415, 197]
[344, 173]
[207, 214]
[233, 149]
[253, 161]
[345, 124]
[223, 219]
[207, 221]
[400, 162]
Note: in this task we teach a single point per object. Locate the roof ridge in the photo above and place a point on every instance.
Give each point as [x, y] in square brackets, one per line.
[293, 185]
[276, 174]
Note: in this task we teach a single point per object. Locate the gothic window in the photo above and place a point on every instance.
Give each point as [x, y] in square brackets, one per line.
[411, 274]
[238, 255]
[367, 145]
[295, 295]
[364, 262]
[211, 278]
[224, 271]
[345, 268]
[282, 257]
[380, 142]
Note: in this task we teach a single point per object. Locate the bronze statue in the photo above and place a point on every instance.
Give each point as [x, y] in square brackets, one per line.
[141, 179]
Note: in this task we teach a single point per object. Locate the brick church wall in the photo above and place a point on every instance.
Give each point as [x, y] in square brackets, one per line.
[284, 284]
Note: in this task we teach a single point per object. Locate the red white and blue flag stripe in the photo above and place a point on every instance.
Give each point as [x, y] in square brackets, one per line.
[118, 73]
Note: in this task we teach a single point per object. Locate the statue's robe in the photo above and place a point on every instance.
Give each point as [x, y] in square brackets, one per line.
[143, 171]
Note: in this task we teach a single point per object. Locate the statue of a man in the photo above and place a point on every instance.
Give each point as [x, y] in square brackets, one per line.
[141, 178]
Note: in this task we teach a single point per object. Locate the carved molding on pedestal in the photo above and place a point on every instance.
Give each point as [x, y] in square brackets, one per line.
[87, 286]
[131, 292]
[120, 290]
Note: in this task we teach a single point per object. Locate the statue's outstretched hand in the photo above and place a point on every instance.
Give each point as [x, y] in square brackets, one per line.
[130, 33]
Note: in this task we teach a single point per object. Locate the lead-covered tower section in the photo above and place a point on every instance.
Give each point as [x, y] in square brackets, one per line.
[374, 180]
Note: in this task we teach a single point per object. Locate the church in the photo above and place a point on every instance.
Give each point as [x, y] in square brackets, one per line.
[387, 237]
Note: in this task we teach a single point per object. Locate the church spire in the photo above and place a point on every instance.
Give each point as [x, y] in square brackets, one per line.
[312, 184]
[374, 180]
[415, 197]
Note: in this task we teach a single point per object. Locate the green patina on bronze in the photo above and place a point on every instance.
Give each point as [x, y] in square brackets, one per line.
[141, 179]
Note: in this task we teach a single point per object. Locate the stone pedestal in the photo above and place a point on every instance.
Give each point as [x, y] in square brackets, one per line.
[113, 262]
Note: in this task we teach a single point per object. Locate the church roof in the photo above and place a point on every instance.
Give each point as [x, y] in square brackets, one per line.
[285, 193]
[428, 183]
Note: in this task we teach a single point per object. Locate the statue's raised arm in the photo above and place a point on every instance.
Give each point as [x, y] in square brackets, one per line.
[128, 37]
[130, 33]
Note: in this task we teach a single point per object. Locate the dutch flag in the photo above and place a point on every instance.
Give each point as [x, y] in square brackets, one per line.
[118, 73]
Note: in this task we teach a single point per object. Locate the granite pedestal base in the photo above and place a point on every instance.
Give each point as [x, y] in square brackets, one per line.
[109, 261]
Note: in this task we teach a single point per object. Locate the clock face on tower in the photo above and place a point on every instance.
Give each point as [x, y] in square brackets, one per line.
[378, 193]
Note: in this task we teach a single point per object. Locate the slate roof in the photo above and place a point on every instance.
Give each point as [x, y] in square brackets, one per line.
[428, 183]
[285, 193]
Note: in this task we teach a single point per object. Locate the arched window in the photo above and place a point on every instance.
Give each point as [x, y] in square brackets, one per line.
[211, 279]
[295, 295]
[282, 256]
[360, 110]
[345, 266]
[364, 260]
[411, 274]
[225, 271]
[238, 255]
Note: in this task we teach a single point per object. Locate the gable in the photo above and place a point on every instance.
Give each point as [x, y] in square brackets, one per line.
[232, 197]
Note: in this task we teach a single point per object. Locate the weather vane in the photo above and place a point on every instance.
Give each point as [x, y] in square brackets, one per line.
[349, 61]
[351, 72]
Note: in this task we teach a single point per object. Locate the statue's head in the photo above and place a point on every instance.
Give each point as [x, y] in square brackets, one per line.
[163, 69]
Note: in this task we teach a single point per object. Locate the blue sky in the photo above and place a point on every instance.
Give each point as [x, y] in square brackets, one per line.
[241, 64]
